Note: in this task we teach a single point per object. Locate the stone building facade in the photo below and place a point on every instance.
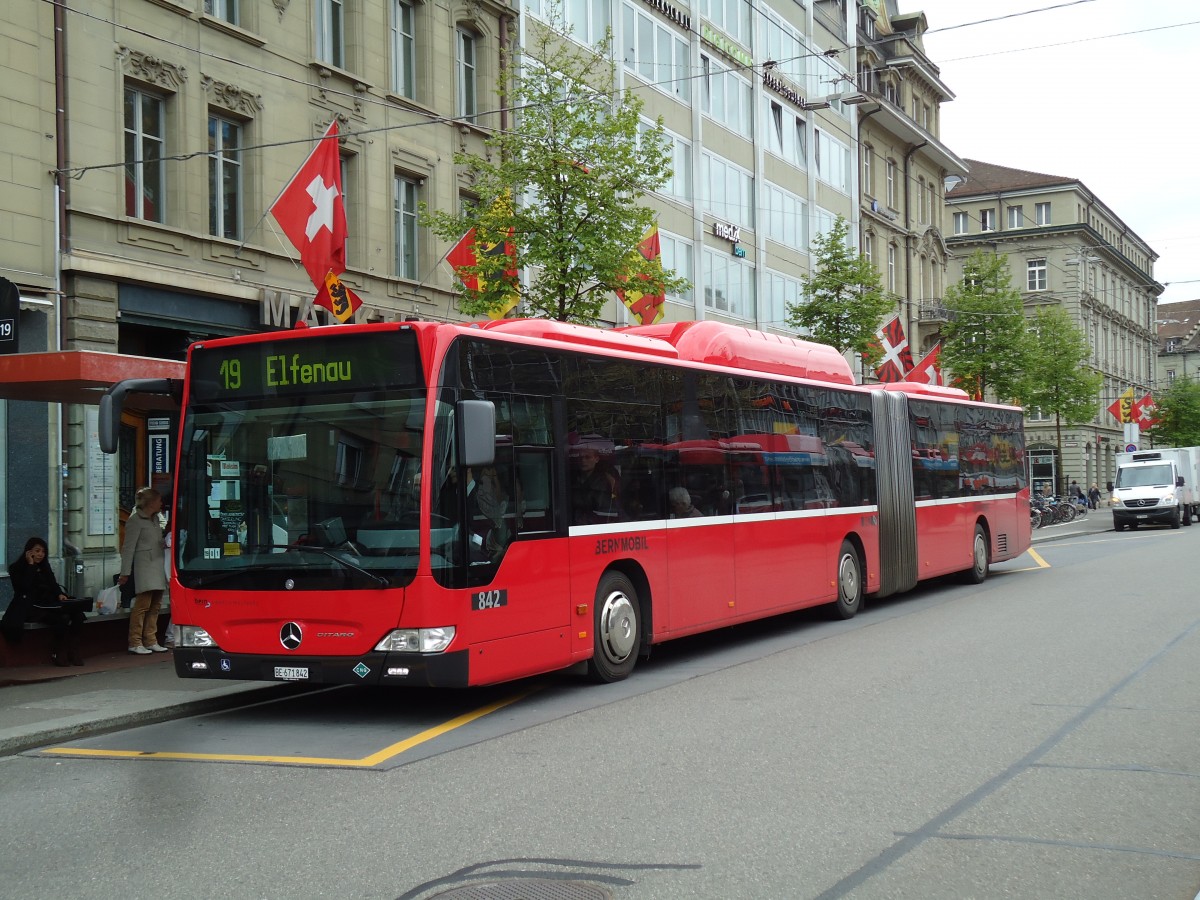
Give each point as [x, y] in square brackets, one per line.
[1066, 247]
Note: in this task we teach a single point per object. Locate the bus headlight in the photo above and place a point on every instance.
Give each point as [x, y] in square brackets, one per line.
[417, 640]
[192, 636]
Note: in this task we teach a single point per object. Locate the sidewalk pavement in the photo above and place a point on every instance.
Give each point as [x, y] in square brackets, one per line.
[46, 704]
[42, 705]
[1096, 521]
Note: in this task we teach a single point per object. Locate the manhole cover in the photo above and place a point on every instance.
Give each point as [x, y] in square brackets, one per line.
[527, 889]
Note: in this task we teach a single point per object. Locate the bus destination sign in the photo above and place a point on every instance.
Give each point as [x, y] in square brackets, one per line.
[332, 364]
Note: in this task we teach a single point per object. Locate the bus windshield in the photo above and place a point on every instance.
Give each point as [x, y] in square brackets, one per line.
[300, 485]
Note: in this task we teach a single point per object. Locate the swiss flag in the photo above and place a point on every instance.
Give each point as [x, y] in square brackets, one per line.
[311, 212]
[896, 361]
[928, 370]
[1144, 413]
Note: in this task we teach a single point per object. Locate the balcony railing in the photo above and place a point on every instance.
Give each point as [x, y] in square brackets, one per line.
[935, 311]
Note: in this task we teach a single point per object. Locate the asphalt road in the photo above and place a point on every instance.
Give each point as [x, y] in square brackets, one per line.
[1032, 737]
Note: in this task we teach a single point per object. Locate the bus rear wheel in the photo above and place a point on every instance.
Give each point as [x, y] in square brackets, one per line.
[849, 584]
[616, 629]
[979, 558]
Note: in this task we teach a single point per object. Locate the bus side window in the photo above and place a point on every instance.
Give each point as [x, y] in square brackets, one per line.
[534, 475]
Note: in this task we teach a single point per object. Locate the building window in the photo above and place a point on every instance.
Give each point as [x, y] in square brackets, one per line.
[1041, 213]
[145, 142]
[677, 258]
[987, 220]
[331, 32]
[786, 216]
[728, 284]
[868, 172]
[868, 248]
[960, 223]
[680, 182]
[224, 178]
[891, 268]
[1016, 216]
[779, 293]
[656, 53]
[404, 50]
[921, 199]
[467, 75]
[726, 96]
[731, 16]
[406, 209]
[223, 9]
[832, 159]
[891, 183]
[728, 190]
[587, 19]
[1036, 274]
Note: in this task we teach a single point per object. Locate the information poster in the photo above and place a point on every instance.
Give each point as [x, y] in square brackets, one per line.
[101, 477]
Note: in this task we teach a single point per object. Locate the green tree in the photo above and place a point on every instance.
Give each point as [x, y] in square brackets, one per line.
[842, 301]
[1057, 378]
[1178, 411]
[984, 341]
[577, 159]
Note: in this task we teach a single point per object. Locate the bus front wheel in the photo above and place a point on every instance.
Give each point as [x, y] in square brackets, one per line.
[849, 583]
[616, 629]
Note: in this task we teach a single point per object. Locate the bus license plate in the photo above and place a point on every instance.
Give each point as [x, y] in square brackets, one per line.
[291, 673]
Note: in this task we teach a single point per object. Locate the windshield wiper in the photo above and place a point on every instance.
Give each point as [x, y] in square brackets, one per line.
[206, 580]
[214, 577]
[379, 580]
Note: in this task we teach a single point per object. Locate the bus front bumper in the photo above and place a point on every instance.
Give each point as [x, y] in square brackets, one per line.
[419, 669]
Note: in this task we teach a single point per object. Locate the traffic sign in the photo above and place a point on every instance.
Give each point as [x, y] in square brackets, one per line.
[1130, 448]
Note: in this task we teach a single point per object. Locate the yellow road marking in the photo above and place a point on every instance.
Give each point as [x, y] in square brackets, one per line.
[365, 762]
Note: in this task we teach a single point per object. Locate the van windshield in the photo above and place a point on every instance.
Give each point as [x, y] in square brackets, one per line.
[1144, 476]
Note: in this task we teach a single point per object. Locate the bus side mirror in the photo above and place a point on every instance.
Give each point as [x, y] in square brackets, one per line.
[113, 402]
[476, 428]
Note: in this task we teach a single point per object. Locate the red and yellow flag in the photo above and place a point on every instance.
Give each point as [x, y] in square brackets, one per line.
[466, 254]
[645, 308]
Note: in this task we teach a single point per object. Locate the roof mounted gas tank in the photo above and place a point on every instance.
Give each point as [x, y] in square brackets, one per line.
[718, 343]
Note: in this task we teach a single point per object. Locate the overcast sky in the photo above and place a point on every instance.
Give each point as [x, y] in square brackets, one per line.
[1098, 90]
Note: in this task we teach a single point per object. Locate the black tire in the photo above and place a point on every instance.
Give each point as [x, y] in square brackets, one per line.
[616, 629]
[1187, 516]
[1118, 526]
[1176, 520]
[849, 584]
[980, 558]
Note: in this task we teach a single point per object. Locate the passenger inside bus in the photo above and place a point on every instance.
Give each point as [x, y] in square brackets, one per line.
[681, 504]
[594, 487]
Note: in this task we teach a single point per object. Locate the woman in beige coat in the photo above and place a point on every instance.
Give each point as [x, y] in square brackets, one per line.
[142, 554]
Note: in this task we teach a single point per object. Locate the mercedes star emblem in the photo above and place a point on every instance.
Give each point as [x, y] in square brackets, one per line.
[290, 636]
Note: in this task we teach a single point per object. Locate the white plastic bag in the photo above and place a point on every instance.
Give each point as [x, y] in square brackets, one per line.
[108, 601]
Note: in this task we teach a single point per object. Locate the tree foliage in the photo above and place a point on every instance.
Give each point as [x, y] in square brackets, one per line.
[842, 301]
[577, 159]
[984, 339]
[1057, 378]
[1178, 411]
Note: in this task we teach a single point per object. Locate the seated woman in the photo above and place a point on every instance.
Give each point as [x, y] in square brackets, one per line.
[38, 597]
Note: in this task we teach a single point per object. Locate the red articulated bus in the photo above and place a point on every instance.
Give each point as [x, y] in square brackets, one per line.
[440, 504]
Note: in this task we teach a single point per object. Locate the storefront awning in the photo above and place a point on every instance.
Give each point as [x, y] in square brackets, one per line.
[80, 376]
